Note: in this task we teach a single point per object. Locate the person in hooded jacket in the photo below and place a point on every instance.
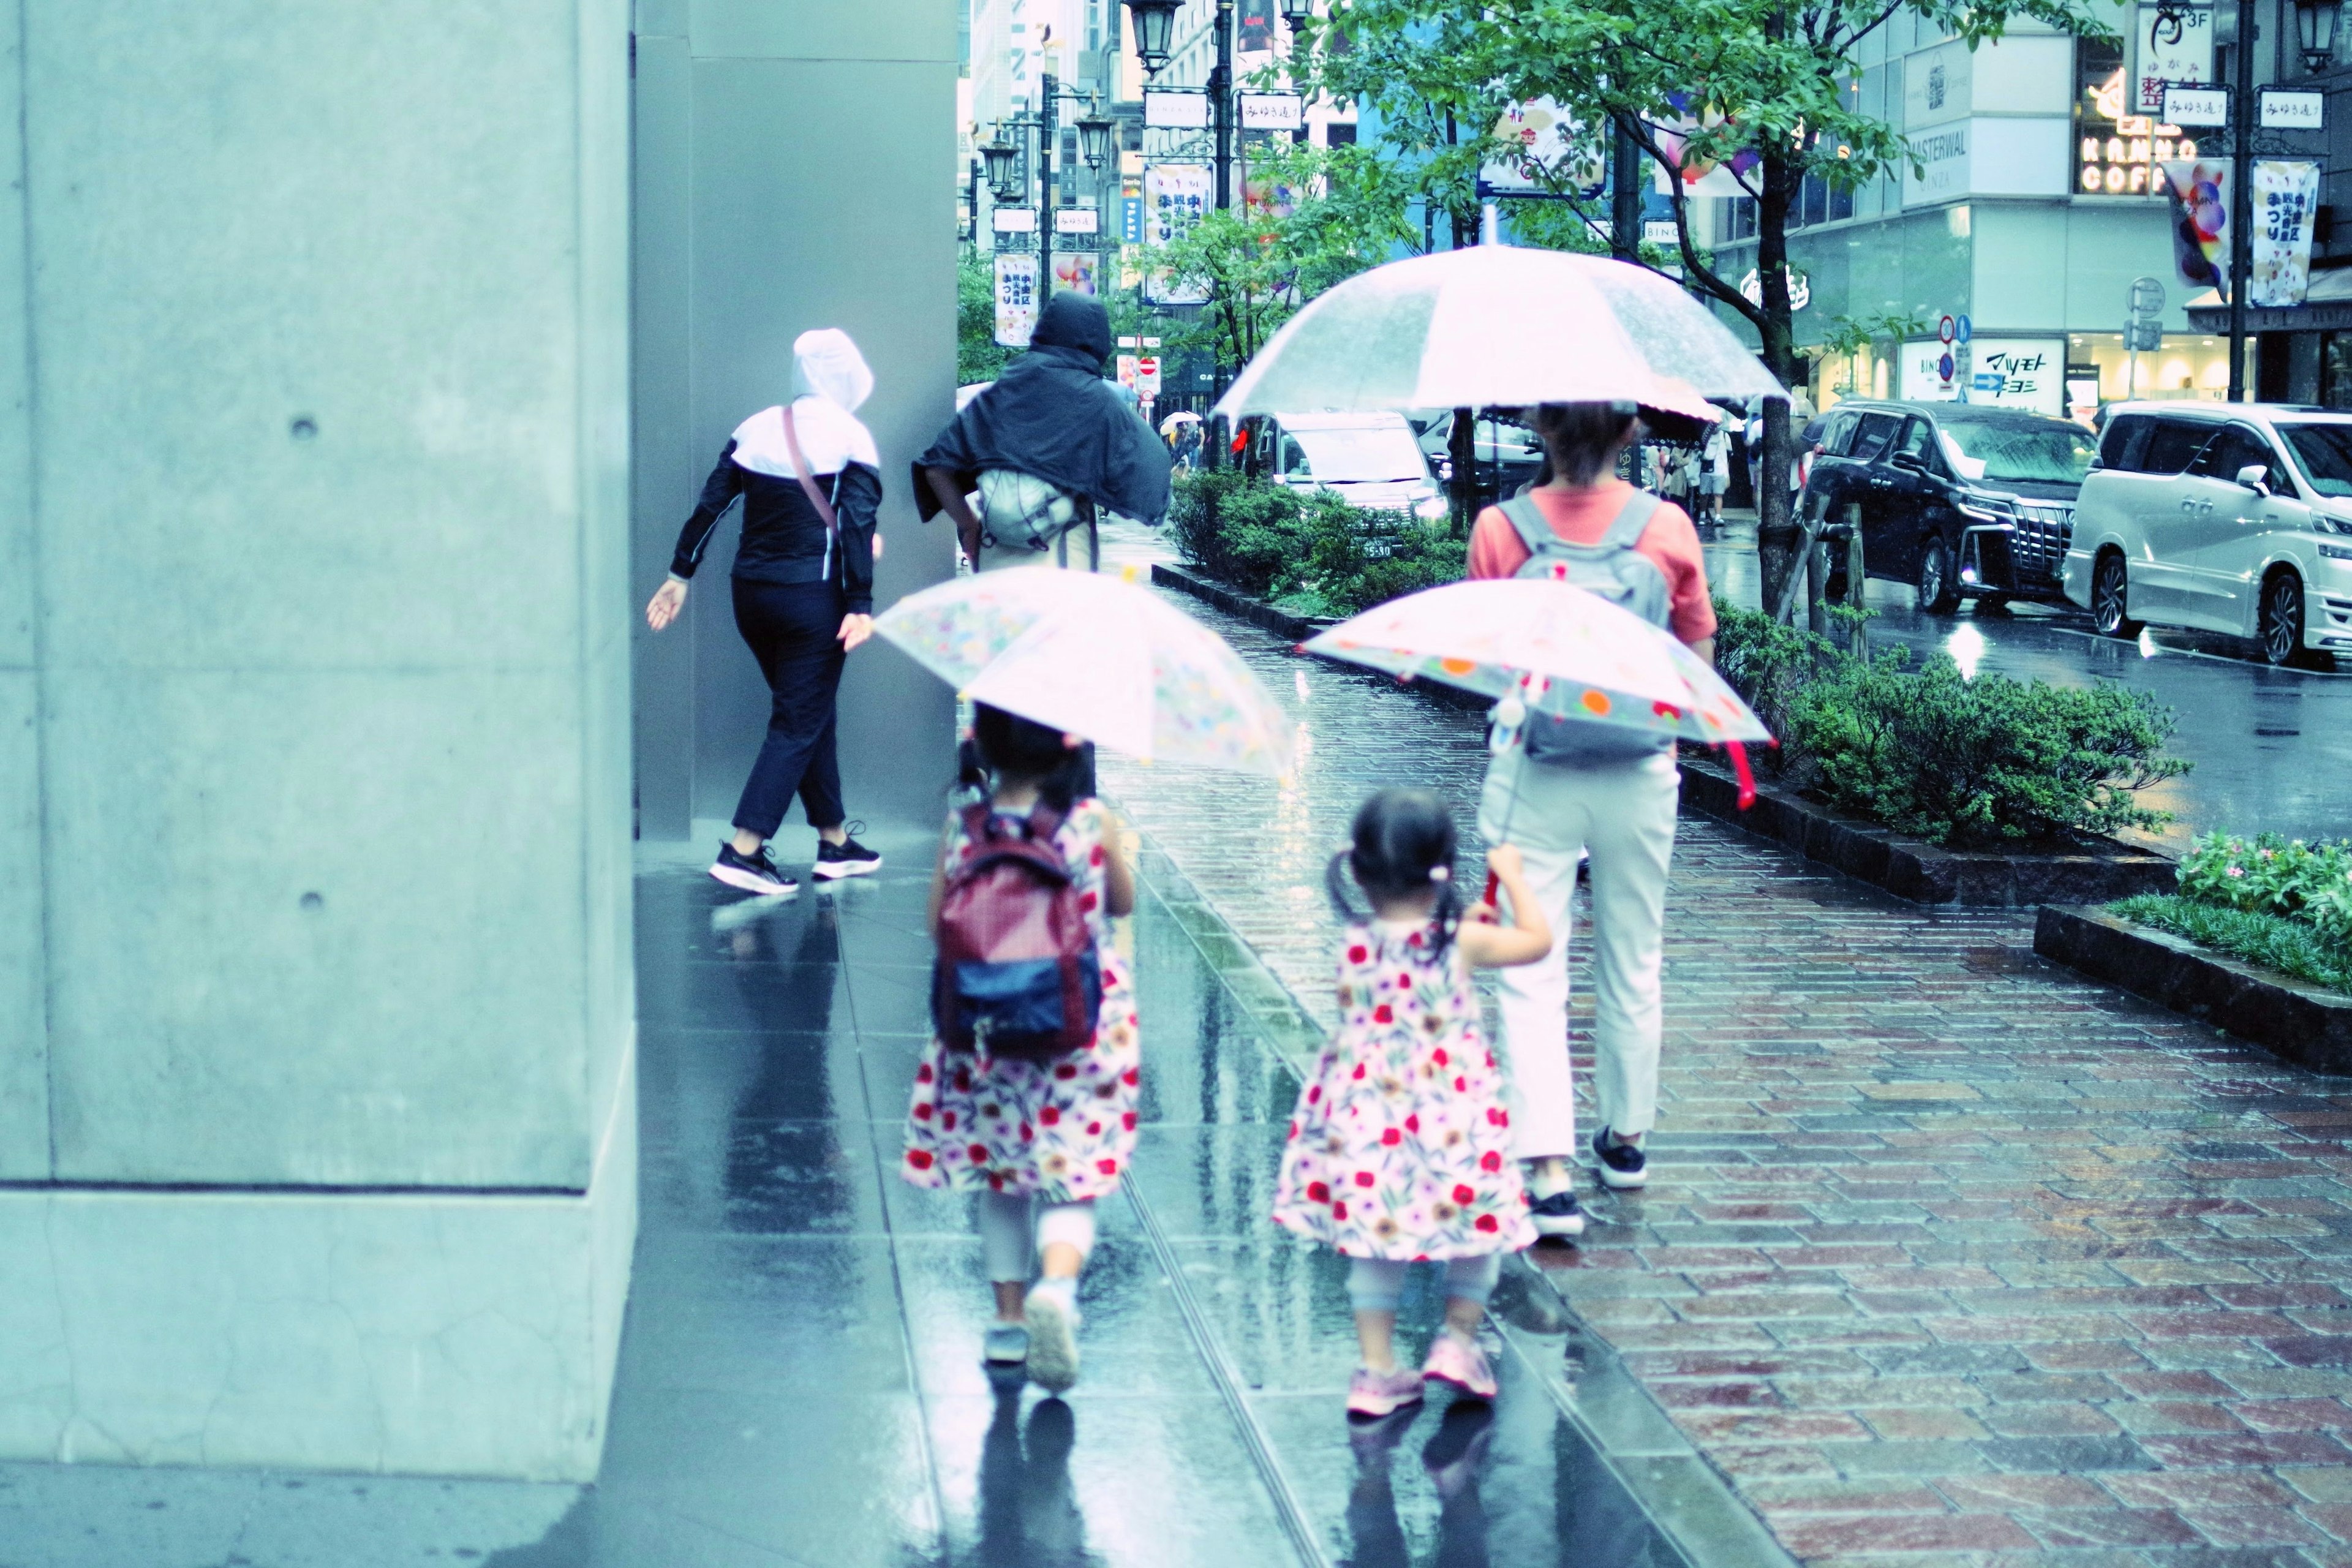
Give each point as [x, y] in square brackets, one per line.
[1053, 416]
[804, 590]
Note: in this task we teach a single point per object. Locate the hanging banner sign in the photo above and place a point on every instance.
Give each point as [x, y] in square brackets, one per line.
[2172, 46]
[1076, 220]
[2286, 199]
[1014, 220]
[2281, 109]
[1174, 198]
[1171, 109]
[1131, 213]
[1543, 150]
[2199, 191]
[1073, 271]
[1016, 298]
[1126, 371]
[2196, 105]
[1273, 110]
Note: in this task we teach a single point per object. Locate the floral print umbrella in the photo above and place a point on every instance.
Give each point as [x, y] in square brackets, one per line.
[1097, 656]
[1561, 649]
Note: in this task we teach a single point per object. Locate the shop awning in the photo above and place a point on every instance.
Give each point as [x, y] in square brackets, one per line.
[2327, 308]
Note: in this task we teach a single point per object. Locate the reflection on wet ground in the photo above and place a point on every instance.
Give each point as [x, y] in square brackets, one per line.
[2272, 748]
[799, 1378]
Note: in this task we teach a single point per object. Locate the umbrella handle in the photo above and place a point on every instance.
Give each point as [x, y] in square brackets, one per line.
[1745, 775]
[1494, 886]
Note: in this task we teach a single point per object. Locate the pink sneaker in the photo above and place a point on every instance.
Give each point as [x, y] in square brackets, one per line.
[1456, 1360]
[1376, 1394]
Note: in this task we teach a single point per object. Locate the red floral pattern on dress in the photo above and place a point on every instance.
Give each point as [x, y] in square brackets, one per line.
[1397, 1115]
[1065, 1130]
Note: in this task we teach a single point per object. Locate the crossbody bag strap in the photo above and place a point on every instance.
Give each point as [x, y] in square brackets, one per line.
[801, 472]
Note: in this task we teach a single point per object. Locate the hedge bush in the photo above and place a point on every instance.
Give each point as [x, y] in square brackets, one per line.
[2273, 941]
[1984, 762]
[1310, 552]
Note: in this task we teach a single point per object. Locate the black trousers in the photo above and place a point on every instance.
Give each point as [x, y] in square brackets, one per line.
[794, 630]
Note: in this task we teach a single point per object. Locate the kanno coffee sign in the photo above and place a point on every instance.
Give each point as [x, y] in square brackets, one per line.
[2117, 151]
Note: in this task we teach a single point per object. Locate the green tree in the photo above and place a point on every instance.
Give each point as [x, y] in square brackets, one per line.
[978, 357]
[1327, 215]
[1767, 89]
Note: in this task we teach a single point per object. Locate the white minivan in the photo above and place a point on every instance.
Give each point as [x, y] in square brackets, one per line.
[2227, 517]
[1369, 460]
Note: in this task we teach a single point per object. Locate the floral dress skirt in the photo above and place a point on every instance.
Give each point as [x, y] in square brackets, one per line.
[1400, 1146]
[1063, 1129]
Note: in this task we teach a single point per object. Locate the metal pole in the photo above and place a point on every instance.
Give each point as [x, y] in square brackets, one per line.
[2242, 203]
[1221, 92]
[1045, 196]
[1626, 196]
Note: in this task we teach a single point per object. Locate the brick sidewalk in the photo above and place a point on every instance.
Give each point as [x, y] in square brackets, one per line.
[1949, 1258]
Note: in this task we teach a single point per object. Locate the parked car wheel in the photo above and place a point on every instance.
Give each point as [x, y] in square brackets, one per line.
[2111, 597]
[2281, 626]
[1937, 595]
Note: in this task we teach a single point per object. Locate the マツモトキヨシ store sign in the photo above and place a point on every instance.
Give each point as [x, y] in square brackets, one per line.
[2116, 154]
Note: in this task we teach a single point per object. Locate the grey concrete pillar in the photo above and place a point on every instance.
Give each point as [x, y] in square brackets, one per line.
[794, 168]
[316, 1113]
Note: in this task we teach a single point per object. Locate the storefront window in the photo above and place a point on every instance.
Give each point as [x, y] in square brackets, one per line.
[2116, 152]
[2336, 369]
[2186, 367]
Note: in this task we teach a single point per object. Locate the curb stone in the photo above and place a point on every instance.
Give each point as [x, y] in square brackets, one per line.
[1922, 872]
[2299, 1023]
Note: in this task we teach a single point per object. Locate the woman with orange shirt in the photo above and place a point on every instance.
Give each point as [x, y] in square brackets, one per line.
[1616, 808]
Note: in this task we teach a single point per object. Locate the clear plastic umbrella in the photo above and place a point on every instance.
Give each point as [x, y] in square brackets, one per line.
[1500, 326]
[1097, 656]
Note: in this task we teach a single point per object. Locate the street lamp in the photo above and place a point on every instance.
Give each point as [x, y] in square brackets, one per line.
[998, 155]
[2314, 25]
[1297, 13]
[1094, 136]
[1153, 19]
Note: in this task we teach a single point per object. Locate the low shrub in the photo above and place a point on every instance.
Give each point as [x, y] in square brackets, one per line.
[2310, 884]
[1309, 553]
[2273, 941]
[1970, 763]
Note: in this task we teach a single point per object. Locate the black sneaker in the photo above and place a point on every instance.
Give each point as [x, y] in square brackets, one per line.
[1621, 1165]
[846, 859]
[754, 873]
[1559, 1214]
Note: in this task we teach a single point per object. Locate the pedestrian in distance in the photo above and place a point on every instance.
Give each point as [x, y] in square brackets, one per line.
[1567, 791]
[1038, 1127]
[803, 588]
[1046, 444]
[1400, 1145]
[1714, 475]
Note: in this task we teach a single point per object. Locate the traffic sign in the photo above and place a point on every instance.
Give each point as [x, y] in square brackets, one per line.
[2147, 297]
[1147, 376]
[1960, 328]
[1947, 329]
[1944, 366]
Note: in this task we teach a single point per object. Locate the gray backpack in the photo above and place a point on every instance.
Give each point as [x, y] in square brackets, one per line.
[1620, 573]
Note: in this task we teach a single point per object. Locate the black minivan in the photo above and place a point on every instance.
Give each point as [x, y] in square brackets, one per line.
[1954, 499]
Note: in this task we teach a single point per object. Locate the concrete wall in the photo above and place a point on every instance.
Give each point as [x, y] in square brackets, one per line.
[315, 968]
[794, 168]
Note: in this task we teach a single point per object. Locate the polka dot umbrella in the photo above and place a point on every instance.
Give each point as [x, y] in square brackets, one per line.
[1558, 650]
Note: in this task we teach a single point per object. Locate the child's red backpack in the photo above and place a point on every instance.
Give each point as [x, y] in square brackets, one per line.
[1017, 974]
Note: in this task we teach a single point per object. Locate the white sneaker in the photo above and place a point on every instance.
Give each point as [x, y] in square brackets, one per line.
[1052, 1320]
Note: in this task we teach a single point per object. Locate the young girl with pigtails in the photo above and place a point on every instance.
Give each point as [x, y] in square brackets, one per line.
[1399, 1149]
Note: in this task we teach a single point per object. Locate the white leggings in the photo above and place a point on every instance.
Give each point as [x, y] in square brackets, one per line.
[1013, 1228]
[1375, 1283]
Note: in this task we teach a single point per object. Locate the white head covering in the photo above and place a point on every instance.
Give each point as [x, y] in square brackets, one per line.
[832, 379]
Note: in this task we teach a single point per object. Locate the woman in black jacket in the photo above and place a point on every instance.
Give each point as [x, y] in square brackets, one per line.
[803, 588]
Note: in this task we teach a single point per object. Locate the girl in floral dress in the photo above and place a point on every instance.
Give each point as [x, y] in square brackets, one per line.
[1038, 1140]
[1399, 1148]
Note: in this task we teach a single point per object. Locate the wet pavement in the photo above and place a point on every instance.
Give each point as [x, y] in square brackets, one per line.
[799, 1378]
[1948, 1257]
[2272, 748]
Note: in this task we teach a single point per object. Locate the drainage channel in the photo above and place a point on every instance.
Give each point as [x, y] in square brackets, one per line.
[1633, 1488]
